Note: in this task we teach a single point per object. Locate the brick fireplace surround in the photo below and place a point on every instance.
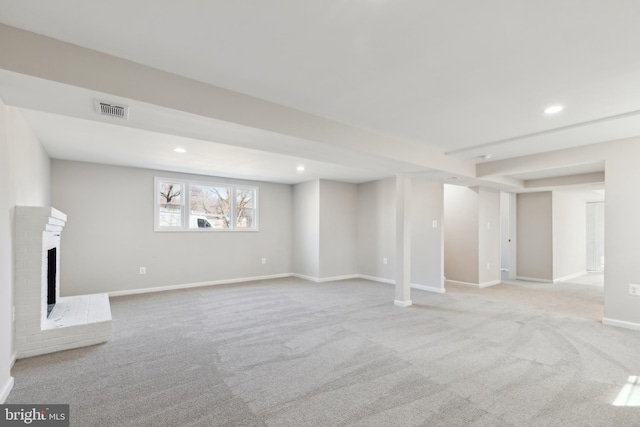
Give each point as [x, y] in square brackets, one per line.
[75, 321]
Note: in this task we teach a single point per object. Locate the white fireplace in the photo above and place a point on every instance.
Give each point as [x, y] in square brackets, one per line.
[46, 322]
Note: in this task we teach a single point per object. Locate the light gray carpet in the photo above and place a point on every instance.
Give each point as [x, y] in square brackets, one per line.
[294, 353]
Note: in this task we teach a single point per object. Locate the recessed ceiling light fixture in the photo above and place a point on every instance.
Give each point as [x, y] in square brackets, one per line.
[486, 156]
[180, 150]
[554, 109]
[300, 168]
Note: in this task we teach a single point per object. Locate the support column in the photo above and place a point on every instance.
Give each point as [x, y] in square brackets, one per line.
[403, 241]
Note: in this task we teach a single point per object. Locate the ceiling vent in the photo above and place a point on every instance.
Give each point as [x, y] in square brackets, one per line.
[112, 110]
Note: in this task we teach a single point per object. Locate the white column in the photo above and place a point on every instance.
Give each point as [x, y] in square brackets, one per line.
[403, 241]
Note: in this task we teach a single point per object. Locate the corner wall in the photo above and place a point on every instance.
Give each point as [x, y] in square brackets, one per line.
[488, 236]
[24, 180]
[306, 229]
[377, 232]
[376, 229]
[535, 236]
[427, 240]
[461, 238]
[569, 236]
[338, 229]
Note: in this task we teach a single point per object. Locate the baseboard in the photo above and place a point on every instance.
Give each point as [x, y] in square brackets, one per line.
[487, 284]
[325, 279]
[197, 285]
[406, 303]
[456, 282]
[6, 389]
[621, 324]
[533, 279]
[12, 360]
[570, 276]
[428, 288]
[413, 285]
[377, 279]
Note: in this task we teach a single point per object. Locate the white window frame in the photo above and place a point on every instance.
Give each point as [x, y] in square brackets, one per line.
[186, 211]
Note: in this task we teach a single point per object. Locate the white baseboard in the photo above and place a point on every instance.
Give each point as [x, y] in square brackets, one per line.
[456, 282]
[621, 324]
[196, 285]
[325, 279]
[273, 276]
[406, 303]
[12, 361]
[570, 276]
[533, 279]
[428, 288]
[475, 285]
[5, 390]
[377, 279]
[487, 284]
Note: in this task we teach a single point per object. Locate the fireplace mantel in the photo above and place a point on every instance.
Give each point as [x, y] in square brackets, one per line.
[75, 321]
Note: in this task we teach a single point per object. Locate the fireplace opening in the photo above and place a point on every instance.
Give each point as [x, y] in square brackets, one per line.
[52, 264]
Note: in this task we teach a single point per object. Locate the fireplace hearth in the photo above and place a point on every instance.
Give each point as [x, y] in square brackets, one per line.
[45, 322]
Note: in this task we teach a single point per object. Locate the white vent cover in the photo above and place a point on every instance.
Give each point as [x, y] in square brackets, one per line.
[112, 110]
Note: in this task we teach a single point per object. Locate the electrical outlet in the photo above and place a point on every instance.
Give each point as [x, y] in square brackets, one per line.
[384, 261]
[434, 224]
[143, 270]
[264, 260]
[488, 226]
[634, 290]
[488, 266]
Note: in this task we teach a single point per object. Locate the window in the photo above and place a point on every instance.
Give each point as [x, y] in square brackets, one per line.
[211, 206]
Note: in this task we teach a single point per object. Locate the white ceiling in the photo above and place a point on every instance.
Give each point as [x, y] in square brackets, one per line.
[466, 77]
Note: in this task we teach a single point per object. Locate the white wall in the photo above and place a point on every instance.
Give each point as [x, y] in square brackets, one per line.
[595, 236]
[306, 229]
[535, 235]
[338, 229]
[488, 236]
[6, 263]
[376, 231]
[109, 234]
[376, 228]
[24, 180]
[622, 233]
[427, 242]
[569, 235]
[461, 238]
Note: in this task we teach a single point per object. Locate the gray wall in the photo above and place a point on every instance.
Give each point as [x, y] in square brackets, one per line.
[376, 228]
[569, 235]
[595, 236]
[338, 229]
[535, 235]
[461, 238]
[488, 235]
[24, 180]
[306, 229]
[622, 232]
[427, 242]
[109, 234]
[376, 231]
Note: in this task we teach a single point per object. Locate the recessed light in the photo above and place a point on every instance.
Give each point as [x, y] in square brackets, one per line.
[180, 150]
[554, 109]
[486, 156]
[300, 168]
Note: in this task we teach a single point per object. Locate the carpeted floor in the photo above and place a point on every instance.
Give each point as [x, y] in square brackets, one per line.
[294, 353]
